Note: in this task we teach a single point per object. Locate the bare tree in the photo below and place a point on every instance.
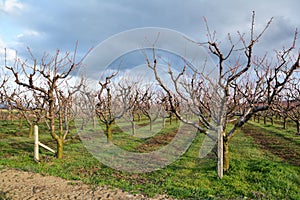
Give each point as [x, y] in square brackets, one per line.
[129, 94]
[108, 107]
[289, 104]
[3, 103]
[166, 110]
[27, 104]
[84, 105]
[64, 110]
[46, 80]
[242, 87]
[149, 105]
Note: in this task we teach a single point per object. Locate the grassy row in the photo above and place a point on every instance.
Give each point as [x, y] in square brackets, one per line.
[277, 129]
[254, 173]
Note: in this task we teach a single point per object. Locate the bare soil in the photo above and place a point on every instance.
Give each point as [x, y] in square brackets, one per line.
[20, 185]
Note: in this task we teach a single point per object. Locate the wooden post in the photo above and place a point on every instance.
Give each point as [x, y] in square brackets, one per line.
[46, 147]
[220, 152]
[36, 143]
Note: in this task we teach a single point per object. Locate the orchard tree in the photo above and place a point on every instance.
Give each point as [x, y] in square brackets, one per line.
[64, 109]
[268, 114]
[149, 105]
[129, 95]
[117, 99]
[84, 105]
[3, 103]
[244, 85]
[6, 91]
[28, 105]
[108, 104]
[46, 79]
[291, 104]
[166, 111]
[294, 114]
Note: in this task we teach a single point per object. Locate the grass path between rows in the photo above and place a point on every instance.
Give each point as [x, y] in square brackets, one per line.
[270, 138]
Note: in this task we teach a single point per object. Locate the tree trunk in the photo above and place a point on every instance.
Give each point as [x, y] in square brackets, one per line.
[66, 122]
[133, 127]
[298, 127]
[150, 122]
[60, 145]
[226, 155]
[265, 120]
[284, 122]
[272, 121]
[151, 125]
[108, 133]
[30, 130]
[21, 123]
[94, 122]
[139, 117]
[47, 124]
[11, 115]
[163, 122]
[220, 162]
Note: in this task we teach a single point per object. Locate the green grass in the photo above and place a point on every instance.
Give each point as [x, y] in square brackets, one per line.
[254, 173]
[277, 129]
[3, 196]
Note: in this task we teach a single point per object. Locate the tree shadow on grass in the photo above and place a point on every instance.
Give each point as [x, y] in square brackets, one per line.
[20, 147]
[275, 144]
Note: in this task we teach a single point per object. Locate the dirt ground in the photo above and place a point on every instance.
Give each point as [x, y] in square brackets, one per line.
[20, 185]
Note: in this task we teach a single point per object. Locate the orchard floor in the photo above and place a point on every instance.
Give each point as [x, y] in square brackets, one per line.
[20, 185]
[285, 148]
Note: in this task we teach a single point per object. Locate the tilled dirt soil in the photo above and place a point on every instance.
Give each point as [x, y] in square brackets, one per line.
[20, 185]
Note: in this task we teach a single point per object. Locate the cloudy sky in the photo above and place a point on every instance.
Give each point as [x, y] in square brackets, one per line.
[46, 25]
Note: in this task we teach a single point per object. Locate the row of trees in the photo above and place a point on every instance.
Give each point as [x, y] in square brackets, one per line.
[121, 99]
[243, 86]
[286, 107]
[42, 93]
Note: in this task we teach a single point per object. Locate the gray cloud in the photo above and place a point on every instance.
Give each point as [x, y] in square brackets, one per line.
[60, 23]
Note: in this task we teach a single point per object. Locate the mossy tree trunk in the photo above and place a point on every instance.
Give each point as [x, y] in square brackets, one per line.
[60, 148]
[132, 126]
[272, 121]
[284, 122]
[226, 155]
[151, 123]
[21, 123]
[30, 130]
[163, 122]
[109, 132]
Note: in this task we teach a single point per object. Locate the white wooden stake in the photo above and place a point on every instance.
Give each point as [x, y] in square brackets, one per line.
[36, 142]
[220, 152]
[46, 147]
